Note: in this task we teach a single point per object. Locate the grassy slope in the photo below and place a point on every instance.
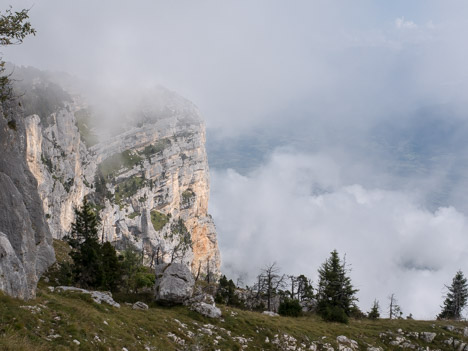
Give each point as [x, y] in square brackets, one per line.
[56, 319]
[74, 316]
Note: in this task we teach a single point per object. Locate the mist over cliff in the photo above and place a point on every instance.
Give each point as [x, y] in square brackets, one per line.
[138, 156]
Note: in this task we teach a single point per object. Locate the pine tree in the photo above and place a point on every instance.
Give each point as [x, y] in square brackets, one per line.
[456, 298]
[336, 294]
[374, 312]
[88, 270]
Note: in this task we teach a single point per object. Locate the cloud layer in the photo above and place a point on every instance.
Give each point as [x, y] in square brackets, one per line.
[298, 208]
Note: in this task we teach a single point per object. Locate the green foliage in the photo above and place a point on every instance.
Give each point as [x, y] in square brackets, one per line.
[290, 307]
[335, 295]
[111, 166]
[128, 188]
[456, 298]
[111, 267]
[374, 312]
[135, 276]
[94, 265]
[187, 197]
[133, 215]
[225, 293]
[159, 220]
[158, 147]
[14, 28]
[331, 313]
[178, 228]
[84, 124]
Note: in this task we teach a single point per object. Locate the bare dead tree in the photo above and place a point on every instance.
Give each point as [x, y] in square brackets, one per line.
[271, 281]
[394, 309]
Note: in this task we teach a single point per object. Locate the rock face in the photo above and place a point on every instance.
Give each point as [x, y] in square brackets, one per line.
[149, 179]
[174, 283]
[25, 240]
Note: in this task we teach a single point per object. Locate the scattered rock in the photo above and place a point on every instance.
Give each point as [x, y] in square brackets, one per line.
[206, 310]
[140, 306]
[174, 283]
[346, 344]
[270, 313]
[97, 296]
[427, 336]
[76, 342]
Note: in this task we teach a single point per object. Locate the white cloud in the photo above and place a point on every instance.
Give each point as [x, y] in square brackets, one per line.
[297, 208]
[401, 23]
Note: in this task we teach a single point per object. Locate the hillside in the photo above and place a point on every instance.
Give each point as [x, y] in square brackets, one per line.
[53, 321]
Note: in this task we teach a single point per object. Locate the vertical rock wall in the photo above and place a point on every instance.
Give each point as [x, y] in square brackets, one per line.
[25, 240]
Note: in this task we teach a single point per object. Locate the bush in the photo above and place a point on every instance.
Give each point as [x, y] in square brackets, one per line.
[334, 314]
[290, 307]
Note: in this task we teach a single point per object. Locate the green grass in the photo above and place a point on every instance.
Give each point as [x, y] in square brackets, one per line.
[113, 164]
[29, 325]
[159, 220]
[128, 188]
[75, 316]
[133, 215]
[158, 147]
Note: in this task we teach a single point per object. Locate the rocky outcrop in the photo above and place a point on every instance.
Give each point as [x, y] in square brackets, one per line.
[174, 283]
[149, 178]
[97, 296]
[25, 240]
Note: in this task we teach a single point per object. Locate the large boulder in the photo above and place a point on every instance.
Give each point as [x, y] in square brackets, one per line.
[174, 283]
[206, 309]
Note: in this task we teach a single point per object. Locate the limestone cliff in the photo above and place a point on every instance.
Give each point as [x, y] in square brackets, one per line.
[150, 181]
[25, 240]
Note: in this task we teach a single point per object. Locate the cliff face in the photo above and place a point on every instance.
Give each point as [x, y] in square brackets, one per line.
[150, 181]
[25, 240]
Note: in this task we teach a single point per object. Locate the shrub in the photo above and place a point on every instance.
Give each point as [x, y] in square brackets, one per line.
[334, 314]
[290, 307]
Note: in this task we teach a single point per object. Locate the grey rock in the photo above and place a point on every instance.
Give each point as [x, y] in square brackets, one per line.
[346, 344]
[97, 296]
[206, 310]
[25, 240]
[270, 313]
[174, 283]
[140, 306]
[465, 332]
[449, 327]
[427, 336]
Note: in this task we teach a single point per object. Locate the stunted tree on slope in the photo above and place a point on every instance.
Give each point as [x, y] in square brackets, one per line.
[456, 298]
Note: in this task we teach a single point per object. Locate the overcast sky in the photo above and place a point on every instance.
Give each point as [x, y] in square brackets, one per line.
[363, 104]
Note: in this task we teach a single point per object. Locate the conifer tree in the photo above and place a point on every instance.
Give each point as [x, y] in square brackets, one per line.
[374, 312]
[336, 294]
[88, 270]
[456, 298]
